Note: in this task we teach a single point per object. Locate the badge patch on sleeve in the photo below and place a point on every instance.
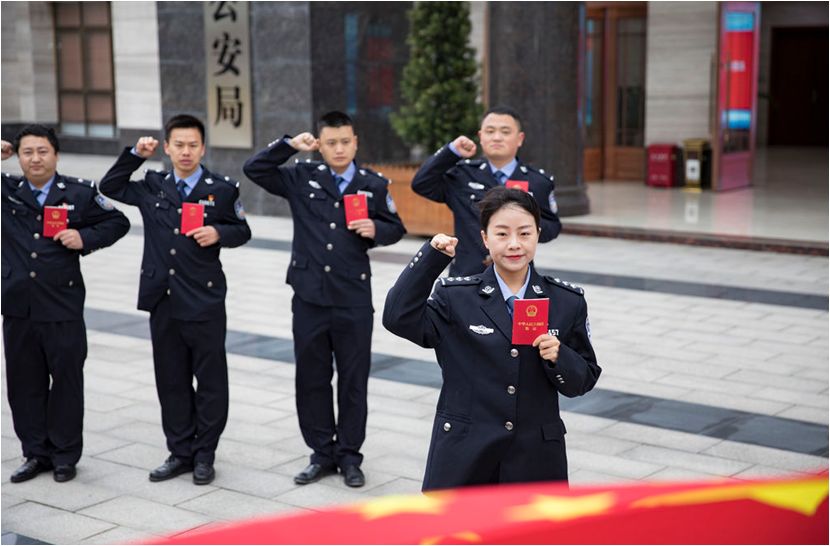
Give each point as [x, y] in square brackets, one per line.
[552, 202]
[239, 209]
[390, 204]
[588, 328]
[104, 203]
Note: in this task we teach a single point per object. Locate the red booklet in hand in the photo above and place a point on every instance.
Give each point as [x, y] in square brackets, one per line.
[54, 220]
[356, 207]
[530, 320]
[193, 216]
[516, 185]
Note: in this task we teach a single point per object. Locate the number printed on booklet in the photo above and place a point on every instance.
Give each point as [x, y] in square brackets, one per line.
[193, 216]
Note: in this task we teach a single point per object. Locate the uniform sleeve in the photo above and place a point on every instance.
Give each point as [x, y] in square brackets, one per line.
[388, 225]
[264, 168]
[430, 181]
[232, 226]
[116, 183]
[551, 226]
[102, 225]
[410, 311]
[576, 370]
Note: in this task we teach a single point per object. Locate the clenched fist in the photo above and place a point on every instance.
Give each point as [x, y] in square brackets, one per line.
[445, 244]
[464, 146]
[305, 142]
[146, 146]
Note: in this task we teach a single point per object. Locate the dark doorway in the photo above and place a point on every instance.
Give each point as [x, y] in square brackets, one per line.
[798, 87]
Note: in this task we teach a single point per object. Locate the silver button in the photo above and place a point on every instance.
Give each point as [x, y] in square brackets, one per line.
[168, 291]
[332, 225]
[447, 427]
[172, 271]
[363, 276]
[327, 268]
[511, 389]
[311, 195]
[34, 255]
[508, 425]
[179, 211]
[329, 246]
[420, 254]
[337, 204]
[157, 205]
[71, 283]
[514, 353]
[172, 251]
[33, 274]
[210, 284]
[39, 217]
[411, 265]
[176, 231]
[294, 263]
[36, 235]
[472, 196]
[415, 259]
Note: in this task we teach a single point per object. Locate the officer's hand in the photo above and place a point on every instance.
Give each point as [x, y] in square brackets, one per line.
[205, 235]
[70, 238]
[305, 142]
[364, 228]
[464, 146]
[146, 146]
[6, 148]
[445, 244]
[548, 347]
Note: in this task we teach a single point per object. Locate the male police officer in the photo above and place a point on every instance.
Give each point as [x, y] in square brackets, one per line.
[330, 275]
[43, 300]
[462, 184]
[183, 288]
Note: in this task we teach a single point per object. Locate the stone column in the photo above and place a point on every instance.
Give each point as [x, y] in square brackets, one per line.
[534, 67]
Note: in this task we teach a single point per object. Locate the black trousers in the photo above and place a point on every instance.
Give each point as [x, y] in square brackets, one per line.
[192, 419]
[47, 419]
[346, 334]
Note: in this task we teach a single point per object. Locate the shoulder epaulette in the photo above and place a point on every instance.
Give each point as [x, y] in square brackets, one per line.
[228, 180]
[566, 285]
[470, 162]
[541, 172]
[364, 171]
[81, 181]
[310, 164]
[15, 177]
[460, 281]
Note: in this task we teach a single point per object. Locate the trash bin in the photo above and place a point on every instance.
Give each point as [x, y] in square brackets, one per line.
[697, 159]
[664, 168]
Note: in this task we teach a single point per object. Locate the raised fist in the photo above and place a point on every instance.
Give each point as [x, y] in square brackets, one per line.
[305, 142]
[464, 146]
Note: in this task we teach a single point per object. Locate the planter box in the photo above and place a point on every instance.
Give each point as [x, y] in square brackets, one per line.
[420, 215]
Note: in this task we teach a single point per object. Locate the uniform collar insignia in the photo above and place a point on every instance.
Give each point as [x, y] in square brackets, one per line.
[483, 166]
[523, 169]
[321, 168]
[481, 329]
[537, 289]
[362, 172]
[61, 185]
[208, 181]
[488, 290]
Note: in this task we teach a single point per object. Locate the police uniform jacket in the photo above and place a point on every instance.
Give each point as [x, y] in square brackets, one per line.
[461, 184]
[491, 389]
[329, 263]
[174, 264]
[41, 277]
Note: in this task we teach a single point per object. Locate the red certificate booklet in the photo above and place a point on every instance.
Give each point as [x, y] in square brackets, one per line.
[530, 320]
[193, 216]
[356, 207]
[54, 220]
[516, 185]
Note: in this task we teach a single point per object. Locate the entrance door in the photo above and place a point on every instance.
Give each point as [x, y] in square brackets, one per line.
[614, 87]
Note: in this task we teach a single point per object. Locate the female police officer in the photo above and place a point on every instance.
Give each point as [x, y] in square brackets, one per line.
[497, 419]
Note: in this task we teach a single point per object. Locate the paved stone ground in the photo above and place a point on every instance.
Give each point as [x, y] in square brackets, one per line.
[676, 355]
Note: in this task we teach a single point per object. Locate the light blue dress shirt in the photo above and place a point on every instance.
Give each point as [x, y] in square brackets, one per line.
[347, 177]
[190, 181]
[41, 199]
[506, 292]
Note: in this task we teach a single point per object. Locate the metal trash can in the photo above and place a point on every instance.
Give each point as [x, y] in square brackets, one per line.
[664, 168]
[697, 161]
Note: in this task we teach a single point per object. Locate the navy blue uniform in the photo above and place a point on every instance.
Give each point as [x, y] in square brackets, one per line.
[461, 184]
[497, 419]
[43, 312]
[332, 304]
[183, 287]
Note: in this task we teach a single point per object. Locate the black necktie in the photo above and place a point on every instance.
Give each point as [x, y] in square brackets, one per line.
[500, 177]
[37, 194]
[509, 302]
[339, 181]
[180, 186]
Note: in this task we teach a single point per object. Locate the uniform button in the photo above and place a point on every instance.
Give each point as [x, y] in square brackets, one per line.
[415, 259]
[337, 204]
[514, 353]
[508, 425]
[168, 291]
[311, 195]
[332, 225]
[39, 217]
[411, 265]
[32, 274]
[36, 235]
[472, 196]
[447, 427]
[327, 268]
[511, 389]
[14, 211]
[175, 231]
[172, 271]
[179, 211]
[34, 255]
[210, 284]
[71, 283]
[172, 251]
[329, 246]
[363, 276]
[420, 254]
[157, 205]
[294, 263]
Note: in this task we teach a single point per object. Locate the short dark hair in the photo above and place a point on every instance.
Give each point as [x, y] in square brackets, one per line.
[499, 197]
[504, 110]
[334, 119]
[183, 121]
[37, 130]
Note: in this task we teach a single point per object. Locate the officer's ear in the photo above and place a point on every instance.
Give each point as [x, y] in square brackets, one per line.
[484, 239]
[521, 138]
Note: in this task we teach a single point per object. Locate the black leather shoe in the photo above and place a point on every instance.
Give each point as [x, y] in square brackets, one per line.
[64, 472]
[171, 468]
[28, 470]
[353, 476]
[203, 474]
[314, 472]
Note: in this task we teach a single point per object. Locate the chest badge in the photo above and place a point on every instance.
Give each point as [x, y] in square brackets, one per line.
[481, 329]
[209, 202]
[314, 184]
[475, 185]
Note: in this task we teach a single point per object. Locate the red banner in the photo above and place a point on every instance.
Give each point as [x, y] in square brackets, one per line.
[724, 512]
[740, 47]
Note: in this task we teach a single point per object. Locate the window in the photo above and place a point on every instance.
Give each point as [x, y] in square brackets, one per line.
[631, 99]
[83, 36]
